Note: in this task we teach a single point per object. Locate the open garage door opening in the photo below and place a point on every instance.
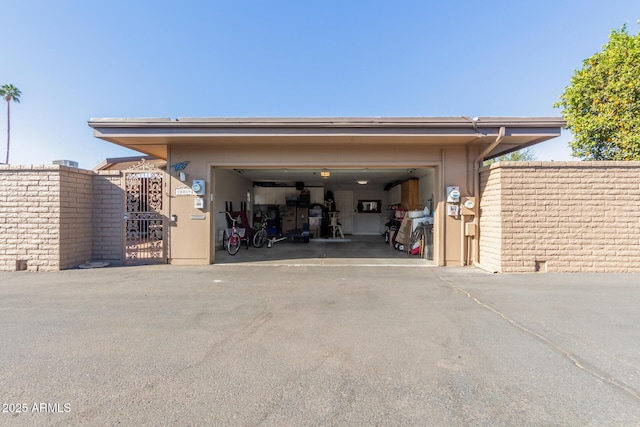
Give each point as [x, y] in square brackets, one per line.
[319, 216]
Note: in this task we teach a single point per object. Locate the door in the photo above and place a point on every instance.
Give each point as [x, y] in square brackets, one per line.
[144, 221]
[344, 204]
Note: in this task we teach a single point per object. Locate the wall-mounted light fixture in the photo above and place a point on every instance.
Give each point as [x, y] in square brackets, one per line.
[325, 173]
[363, 182]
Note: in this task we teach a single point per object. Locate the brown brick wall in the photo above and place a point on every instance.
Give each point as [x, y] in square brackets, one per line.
[56, 217]
[490, 227]
[30, 217]
[547, 216]
[108, 199]
[76, 204]
[564, 216]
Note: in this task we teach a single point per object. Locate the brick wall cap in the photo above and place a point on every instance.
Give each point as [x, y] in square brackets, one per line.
[43, 168]
[563, 164]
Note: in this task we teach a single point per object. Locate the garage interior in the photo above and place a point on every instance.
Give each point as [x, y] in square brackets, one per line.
[329, 215]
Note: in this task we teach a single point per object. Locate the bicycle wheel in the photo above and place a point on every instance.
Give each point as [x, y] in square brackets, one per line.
[233, 245]
[260, 238]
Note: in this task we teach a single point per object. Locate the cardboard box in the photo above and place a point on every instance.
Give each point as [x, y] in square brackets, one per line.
[404, 232]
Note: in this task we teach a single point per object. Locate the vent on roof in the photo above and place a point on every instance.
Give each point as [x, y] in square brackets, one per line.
[69, 163]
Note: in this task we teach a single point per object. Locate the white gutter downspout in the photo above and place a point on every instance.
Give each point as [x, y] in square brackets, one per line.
[478, 165]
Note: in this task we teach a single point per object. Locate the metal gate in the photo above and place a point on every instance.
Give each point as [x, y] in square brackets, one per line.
[143, 219]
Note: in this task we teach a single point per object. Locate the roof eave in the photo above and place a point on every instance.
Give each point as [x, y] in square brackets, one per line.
[331, 122]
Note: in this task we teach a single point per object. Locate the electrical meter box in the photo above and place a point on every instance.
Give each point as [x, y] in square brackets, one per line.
[198, 187]
[468, 206]
[453, 194]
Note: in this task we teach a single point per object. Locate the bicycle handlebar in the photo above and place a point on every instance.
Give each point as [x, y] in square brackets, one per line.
[230, 217]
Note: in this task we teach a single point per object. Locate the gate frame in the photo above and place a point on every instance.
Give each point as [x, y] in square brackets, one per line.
[146, 167]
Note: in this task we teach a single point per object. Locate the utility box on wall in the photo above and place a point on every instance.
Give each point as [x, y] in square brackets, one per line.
[470, 229]
[468, 206]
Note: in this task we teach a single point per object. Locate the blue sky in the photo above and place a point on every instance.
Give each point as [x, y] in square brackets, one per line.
[74, 60]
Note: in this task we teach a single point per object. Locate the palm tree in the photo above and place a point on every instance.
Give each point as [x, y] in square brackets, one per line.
[10, 93]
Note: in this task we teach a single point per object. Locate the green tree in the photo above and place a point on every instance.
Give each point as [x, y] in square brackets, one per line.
[516, 156]
[10, 93]
[602, 104]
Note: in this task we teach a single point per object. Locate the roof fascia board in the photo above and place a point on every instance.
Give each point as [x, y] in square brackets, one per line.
[370, 127]
[340, 122]
[102, 132]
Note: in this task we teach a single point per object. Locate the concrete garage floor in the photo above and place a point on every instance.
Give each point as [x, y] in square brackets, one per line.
[318, 345]
[354, 250]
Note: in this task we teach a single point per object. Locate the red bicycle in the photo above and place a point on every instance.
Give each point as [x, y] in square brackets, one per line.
[232, 244]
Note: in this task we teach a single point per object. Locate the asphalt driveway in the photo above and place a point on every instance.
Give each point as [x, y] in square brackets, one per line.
[318, 345]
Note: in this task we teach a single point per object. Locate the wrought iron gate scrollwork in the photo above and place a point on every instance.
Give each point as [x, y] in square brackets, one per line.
[144, 219]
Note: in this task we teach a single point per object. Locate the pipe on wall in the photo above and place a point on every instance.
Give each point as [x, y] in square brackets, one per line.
[463, 243]
[441, 222]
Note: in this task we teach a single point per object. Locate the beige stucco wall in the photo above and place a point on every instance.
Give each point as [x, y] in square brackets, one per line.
[561, 216]
[457, 168]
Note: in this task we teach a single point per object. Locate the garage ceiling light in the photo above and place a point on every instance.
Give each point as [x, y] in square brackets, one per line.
[363, 182]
